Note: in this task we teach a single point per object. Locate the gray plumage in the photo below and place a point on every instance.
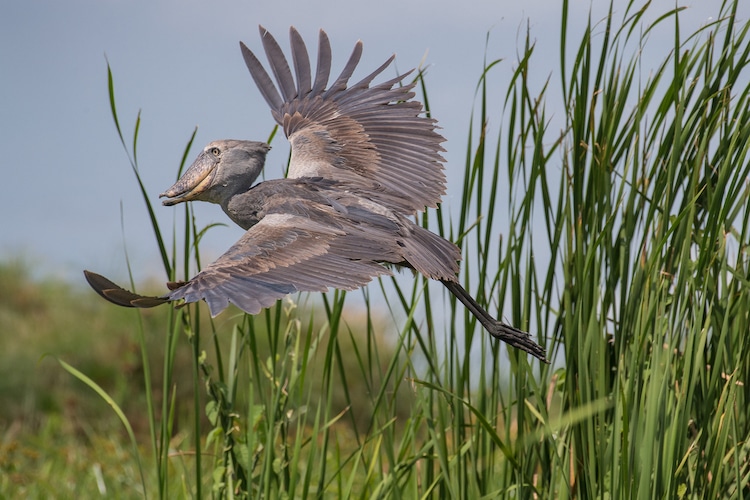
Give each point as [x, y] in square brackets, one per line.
[363, 159]
[371, 137]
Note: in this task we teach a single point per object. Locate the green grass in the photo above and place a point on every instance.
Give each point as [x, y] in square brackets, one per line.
[58, 435]
[623, 248]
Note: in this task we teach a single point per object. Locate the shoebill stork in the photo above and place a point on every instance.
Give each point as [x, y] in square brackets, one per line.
[363, 159]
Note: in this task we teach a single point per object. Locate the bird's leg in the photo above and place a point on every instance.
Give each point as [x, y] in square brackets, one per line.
[511, 336]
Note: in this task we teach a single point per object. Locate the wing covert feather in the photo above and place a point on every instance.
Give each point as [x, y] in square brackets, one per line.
[285, 254]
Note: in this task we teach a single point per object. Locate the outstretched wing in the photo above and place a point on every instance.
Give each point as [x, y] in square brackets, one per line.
[374, 138]
[281, 254]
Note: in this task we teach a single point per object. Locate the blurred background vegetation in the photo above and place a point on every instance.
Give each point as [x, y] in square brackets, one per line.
[56, 429]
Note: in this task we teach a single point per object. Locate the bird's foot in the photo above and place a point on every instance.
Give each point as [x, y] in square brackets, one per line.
[518, 339]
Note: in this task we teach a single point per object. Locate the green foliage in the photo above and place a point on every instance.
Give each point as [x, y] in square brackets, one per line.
[645, 293]
[624, 250]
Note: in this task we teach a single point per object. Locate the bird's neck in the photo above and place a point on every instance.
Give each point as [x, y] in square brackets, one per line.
[242, 208]
[229, 193]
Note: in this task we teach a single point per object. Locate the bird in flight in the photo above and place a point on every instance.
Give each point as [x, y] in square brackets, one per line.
[363, 159]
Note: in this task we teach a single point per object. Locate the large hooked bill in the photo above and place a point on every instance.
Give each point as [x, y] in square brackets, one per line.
[196, 179]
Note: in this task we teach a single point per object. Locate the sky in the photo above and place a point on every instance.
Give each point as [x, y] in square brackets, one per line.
[69, 199]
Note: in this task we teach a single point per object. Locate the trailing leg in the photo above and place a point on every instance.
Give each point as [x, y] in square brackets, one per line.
[511, 336]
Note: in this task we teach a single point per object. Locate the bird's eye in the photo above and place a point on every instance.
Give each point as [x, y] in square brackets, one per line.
[215, 151]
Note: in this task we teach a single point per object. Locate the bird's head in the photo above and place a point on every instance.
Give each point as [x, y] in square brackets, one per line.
[223, 169]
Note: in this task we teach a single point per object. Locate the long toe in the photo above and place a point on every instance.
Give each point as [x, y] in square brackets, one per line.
[518, 339]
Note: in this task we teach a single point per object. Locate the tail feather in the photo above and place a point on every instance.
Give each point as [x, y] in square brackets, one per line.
[433, 256]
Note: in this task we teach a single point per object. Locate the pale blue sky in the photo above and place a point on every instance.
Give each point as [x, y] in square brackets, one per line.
[64, 172]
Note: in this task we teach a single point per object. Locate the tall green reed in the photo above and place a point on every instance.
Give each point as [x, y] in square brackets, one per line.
[647, 246]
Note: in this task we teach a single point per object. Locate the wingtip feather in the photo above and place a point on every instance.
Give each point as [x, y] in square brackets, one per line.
[116, 294]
